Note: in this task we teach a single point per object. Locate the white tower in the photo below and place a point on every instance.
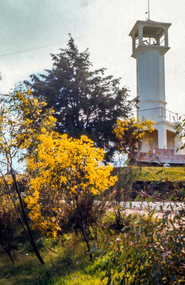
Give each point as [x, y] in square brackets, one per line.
[149, 45]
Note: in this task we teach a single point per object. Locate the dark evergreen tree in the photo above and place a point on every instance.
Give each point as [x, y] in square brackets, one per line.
[85, 101]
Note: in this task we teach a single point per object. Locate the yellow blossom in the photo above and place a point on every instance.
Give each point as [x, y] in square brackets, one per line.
[63, 167]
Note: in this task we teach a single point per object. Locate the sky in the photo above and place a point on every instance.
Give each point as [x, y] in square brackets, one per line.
[31, 30]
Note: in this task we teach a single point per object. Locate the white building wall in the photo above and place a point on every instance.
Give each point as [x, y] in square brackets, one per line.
[170, 140]
[149, 142]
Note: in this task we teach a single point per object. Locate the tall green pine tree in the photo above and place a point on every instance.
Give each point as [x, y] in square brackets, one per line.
[85, 101]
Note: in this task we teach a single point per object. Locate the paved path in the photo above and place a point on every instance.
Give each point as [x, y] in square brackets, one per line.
[157, 205]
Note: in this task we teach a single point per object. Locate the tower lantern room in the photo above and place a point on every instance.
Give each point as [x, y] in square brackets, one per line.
[149, 34]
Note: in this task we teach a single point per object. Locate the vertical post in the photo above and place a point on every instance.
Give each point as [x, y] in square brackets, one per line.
[133, 43]
[162, 136]
[140, 34]
[166, 36]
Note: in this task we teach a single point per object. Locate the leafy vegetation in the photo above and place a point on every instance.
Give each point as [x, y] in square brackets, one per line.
[147, 251]
[7, 229]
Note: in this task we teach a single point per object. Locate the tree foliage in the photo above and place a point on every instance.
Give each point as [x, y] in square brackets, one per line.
[180, 132]
[21, 121]
[85, 101]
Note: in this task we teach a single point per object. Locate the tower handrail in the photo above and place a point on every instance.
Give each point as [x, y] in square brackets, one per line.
[169, 115]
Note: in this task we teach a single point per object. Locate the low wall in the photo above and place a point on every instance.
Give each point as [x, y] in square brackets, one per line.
[162, 156]
[164, 188]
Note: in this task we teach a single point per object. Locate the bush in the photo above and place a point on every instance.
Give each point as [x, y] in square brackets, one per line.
[7, 229]
[147, 251]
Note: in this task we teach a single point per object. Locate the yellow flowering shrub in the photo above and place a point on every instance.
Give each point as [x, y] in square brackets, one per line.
[129, 133]
[63, 170]
[133, 127]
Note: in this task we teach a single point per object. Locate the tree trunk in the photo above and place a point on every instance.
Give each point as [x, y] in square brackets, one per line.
[29, 233]
[9, 254]
[86, 240]
[80, 211]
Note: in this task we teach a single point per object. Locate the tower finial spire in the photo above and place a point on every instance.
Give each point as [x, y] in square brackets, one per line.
[149, 9]
[148, 12]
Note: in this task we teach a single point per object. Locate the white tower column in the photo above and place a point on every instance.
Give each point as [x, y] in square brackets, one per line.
[149, 45]
[162, 136]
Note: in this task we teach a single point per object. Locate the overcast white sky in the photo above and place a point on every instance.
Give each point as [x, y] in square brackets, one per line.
[31, 30]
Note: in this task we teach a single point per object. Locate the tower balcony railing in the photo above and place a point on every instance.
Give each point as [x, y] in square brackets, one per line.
[149, 42]
[166, 114]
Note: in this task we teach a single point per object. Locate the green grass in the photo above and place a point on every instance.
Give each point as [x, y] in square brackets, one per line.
[66, 259]
[157, 173]
[66, 263]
